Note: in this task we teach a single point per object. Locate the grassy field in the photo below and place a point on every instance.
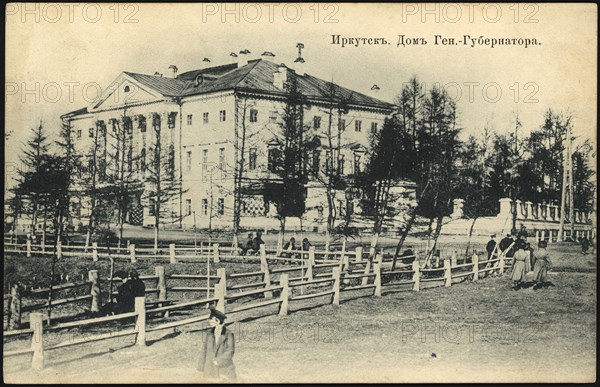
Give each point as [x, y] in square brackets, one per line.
[472, 332]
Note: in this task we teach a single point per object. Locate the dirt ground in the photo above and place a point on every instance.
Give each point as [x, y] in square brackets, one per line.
[471, 332]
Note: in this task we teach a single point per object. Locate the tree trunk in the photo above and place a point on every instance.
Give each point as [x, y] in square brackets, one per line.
[469, 238]
[281, 235]
[406, 230]
[438, 230]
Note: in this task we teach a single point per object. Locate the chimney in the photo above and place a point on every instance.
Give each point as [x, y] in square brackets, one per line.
[375, 89]
[157, 74]
[299, 62]
[243, 58]
[268, 55]
[205, 63]
[280, 77]
[174, 69]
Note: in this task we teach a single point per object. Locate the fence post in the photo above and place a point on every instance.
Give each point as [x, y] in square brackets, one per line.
[501, 264]
[140, 321]
[95, 290]
[358, 256]
[416, 276]
[14, 321]
[285, 294]
[365, 280]
[59, 252]
[475, 260]
[453, 258]
[343, 250]
[336, 285]
[132, 253]
[28, 248]
[264, 267]
[162, 283]
[94, 251]
[216, 252]
[377, 269]
[447, 272]
[310, 263]
[172, 257]
[36, 324]
[221, 289]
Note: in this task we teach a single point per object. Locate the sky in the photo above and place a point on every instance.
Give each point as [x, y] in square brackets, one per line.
[59, 57]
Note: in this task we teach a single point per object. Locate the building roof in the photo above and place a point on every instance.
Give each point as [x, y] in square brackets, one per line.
[256, 76]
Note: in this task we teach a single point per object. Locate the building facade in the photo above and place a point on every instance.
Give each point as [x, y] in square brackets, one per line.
[206, 121]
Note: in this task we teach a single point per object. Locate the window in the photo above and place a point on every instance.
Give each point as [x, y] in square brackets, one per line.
[79, 133]
[205, 118]
[221, 207]
[357, 125]
[274, 157]
[316, 122]
[356, 163]
[205, 206]
[328, 163]
[222, 160]
[373, 126]
[126, 89]
[130, 159]
[156, 122]
[188, 206]
[171, 160]
[316, 162]
[273, 116]
[189, 119]
[113, 122]
[188, 161]
[91, 132]
[341, 165]
[171, 119]
[142, 123]
[204, 163]
[253, 115]
[127, 125]
[152, 207]
[252, 159]
[222, 115]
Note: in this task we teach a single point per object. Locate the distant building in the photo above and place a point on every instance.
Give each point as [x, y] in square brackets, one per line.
[199, 113]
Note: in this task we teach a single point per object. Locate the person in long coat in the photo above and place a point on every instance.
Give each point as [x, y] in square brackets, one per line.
[541, 265]
[217, 350]
[518, 270]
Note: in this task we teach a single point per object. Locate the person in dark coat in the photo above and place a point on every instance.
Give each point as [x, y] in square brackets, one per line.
[505, 244]
[289, 247]
[138, 289]
[217, 350]
[491, 245]
[305, 244]
[256, 242]
[247, 246]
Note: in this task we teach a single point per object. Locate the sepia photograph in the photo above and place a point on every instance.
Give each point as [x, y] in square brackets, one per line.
[300, 193]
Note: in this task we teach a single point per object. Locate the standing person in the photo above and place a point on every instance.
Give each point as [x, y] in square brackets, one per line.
[491, 245]
[541, 266]
[518, 267]
[217, 350]
[505, 244]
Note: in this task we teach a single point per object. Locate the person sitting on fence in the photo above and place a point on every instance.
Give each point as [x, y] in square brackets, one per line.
[138, 289]
[289, 247]
[217, 350]
[256, 242]
[518, 270]
[305, 244]
[125, 301]
[408, 256]
[247, 246]
[541, 265]
[491, 246]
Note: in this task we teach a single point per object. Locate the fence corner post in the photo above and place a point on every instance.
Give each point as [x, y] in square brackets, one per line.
[358, 256]
[132, 253]
[416, 276]
[447, 272]
[216, 252]
[336, 285]
[94, 251]
[172, 257]
[377, 269]
[264, 267]
[221, 289]
[140, 321]
[475, 261]
[36, 324]
[285, 294]
[95, 290]
[365, 280]
[162, 283]
[14, 321]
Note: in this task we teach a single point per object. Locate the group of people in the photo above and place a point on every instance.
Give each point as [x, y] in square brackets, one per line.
[524, 259]
[131, 287]
[290, 246]
[252, 245]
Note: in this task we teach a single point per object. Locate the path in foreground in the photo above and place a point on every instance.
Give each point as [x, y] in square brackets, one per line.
[479, 332]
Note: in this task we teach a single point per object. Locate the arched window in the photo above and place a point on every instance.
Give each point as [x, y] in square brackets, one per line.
[126, 89]
[171, 160]
[143, 160]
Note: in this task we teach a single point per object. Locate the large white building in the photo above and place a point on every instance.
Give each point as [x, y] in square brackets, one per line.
[200, 113]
